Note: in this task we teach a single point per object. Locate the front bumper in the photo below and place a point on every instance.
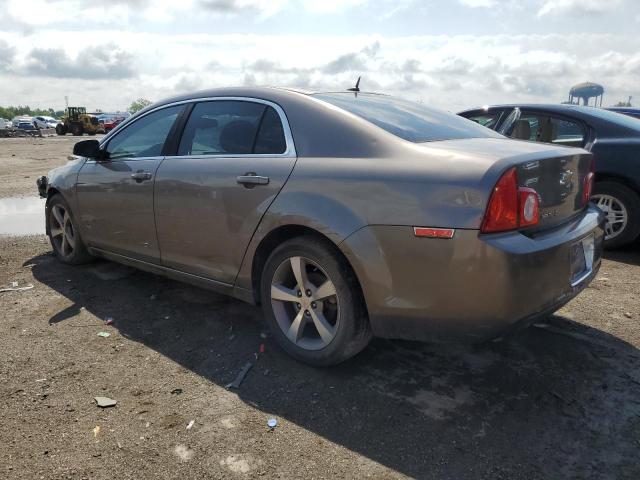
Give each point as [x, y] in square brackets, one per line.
[470, 287]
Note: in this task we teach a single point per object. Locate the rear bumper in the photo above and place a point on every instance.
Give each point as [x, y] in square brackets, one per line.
[470, 287]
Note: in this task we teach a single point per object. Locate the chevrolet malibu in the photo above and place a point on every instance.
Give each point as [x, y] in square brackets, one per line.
[345, 215]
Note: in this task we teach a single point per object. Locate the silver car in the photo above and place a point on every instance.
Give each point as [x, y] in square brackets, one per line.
[345, 215]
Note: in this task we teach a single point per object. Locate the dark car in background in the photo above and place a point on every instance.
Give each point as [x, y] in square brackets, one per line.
[613, 138]
[345, 215]
[630, 111]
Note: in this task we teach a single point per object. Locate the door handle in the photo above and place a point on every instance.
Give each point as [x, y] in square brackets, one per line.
[141, 176]
[250, 180]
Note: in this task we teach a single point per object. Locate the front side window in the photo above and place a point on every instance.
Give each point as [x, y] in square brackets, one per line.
[231, 127]
[144, 137]
[410, 121]
[488, 119]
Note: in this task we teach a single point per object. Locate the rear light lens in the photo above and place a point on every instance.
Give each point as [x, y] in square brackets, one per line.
[511, 207]
[587, 183]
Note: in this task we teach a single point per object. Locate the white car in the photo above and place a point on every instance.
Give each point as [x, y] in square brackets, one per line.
[44, 122]
[4, 123]
[21, 119]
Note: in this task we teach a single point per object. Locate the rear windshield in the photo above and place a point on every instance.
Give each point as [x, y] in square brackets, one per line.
[408, 120]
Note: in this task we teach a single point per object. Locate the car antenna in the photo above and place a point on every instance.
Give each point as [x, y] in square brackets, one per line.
[355, 89]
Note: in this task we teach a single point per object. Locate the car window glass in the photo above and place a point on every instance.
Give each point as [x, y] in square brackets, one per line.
[408, 120]
[547, 129]
[221, 127]
[489, 120]
[144, 137]
[270, 139]
[566, 132]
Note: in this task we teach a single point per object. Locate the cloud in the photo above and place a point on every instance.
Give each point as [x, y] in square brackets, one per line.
[578, 7]
[478, 3]
[7, 53]
[104, 61]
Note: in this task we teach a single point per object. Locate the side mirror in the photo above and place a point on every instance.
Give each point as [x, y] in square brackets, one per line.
[89, 149]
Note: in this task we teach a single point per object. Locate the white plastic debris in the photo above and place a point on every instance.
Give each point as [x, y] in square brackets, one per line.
[15, 288]
[190, 425]
[272, 423]
[104, 334]
[105, 402]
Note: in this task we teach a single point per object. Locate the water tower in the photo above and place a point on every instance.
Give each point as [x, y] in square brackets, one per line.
[586, 91]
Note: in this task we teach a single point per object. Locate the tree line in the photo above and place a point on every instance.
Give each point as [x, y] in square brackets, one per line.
[25, 110]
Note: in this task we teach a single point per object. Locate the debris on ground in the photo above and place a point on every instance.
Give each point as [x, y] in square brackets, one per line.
[628, 314]
[272, 423]
[15, 288]
[183, 452]
[190, 425]
[105, 402]
[176, 391]
[108, 321]
[96, 431]
[104, 334]
[243, 373]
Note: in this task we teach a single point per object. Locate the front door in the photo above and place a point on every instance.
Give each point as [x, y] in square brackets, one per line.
[115, 196]
[234, 157]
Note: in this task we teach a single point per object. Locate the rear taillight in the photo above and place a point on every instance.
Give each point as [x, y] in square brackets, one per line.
[511, 207]
[587, 183]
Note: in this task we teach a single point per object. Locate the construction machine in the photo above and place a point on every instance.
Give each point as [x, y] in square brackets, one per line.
[77, 121]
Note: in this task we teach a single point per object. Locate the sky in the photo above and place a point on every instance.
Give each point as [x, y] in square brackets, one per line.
[452, 54]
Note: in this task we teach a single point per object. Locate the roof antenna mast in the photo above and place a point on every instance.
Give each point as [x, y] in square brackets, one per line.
[356, 88]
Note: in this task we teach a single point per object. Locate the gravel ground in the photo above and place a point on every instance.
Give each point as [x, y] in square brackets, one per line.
[560, 400]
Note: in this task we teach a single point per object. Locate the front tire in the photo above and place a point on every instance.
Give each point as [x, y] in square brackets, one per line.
[312, 303]
[63, 234]
[61, 129]
[621, 205]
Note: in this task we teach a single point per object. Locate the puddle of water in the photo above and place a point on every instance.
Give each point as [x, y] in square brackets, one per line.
[22, 216]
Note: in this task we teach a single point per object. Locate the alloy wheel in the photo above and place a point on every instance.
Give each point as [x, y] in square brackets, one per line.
[616, 213]
[62, 231]
[305, 303]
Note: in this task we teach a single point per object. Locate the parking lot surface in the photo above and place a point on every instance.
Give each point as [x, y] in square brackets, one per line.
[558, 400]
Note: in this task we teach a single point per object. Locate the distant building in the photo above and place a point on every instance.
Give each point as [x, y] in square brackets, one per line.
[586, 91]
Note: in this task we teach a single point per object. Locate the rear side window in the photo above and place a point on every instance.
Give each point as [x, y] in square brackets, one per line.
[548, 129]
[408, 120]
[233, 128]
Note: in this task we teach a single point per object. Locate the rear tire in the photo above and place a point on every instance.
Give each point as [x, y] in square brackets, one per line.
[77, 130]
[65, 238]
[622, 207]
[325, 322]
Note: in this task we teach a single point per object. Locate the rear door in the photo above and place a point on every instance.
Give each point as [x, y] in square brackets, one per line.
[115, 196]
[233, 158]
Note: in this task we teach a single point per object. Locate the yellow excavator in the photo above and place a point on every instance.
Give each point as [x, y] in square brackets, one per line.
[77, 121]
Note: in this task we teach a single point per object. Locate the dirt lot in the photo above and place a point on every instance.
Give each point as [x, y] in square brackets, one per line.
[557, 401]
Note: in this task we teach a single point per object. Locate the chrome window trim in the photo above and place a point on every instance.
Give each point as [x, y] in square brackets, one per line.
[290, 151]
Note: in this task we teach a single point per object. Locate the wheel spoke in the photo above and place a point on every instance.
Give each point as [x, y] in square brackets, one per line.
[70, 236]
[299, 268]
[282, 293]
[58, 216]
[323, 327]
[295, 330]
[56, 232]
[64, 245]
[327, 289]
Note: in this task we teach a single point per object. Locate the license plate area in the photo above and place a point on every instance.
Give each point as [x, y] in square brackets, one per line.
[582, 258]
